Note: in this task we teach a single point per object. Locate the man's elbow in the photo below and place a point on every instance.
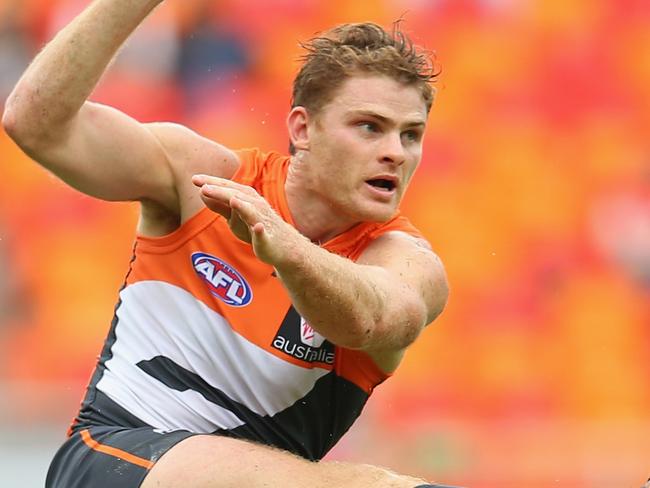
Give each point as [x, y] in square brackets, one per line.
[10, 120]
[396, 333]
[359, 336]
[16, 125]
[360, 332]
[413, 324]
[26, 123]
[439, 299]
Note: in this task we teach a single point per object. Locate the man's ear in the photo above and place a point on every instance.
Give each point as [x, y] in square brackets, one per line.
[297, 123]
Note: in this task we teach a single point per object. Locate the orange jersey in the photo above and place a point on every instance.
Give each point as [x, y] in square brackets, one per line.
[205, 337]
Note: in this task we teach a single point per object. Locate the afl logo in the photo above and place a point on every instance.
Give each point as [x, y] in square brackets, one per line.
[223, 281]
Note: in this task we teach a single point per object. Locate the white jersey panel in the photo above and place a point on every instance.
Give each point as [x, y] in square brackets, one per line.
[152, 404]
[176, 325]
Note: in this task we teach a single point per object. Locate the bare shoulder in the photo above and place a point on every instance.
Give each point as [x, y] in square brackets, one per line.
[193, 153]
[190, 153]
[411, 260]
[401, 247]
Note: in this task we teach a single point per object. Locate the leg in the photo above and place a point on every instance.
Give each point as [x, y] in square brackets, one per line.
[109, 457]
[206, 461]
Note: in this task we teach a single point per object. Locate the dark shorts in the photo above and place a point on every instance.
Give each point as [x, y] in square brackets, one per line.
[109, 457]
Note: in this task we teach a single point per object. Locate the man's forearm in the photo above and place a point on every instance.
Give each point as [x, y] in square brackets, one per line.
[63, 75]
[346, 302]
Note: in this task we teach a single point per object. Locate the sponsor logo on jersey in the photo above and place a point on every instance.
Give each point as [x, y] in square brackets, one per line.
[223, 281]
[297, 338]
[308, 336]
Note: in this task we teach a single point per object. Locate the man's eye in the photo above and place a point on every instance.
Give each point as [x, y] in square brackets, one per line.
[411, 135]
[368, 126]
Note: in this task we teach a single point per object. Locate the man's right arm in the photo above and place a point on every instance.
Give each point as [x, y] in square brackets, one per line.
[94, 148]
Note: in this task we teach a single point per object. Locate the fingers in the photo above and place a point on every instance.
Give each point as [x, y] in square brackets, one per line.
[225, 200]
[246, 211]
[225, 192]
[200, 180]
[216, 206]
[203, 180]
[216, 199]
[218, 193]
[222, 190]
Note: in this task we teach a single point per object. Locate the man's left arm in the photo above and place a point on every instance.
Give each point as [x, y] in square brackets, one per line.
[379, 304]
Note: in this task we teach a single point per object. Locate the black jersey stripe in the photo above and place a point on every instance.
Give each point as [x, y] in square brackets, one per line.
[178, 378]
[299, 428]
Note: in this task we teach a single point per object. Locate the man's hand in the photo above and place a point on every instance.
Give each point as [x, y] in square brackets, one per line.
[250, 217]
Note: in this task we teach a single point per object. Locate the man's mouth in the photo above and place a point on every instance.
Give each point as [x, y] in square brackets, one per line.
[382, 184]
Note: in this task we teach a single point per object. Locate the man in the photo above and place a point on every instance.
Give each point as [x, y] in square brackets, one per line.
[267, 295]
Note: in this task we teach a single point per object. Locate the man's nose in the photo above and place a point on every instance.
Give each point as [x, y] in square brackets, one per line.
[393, 150]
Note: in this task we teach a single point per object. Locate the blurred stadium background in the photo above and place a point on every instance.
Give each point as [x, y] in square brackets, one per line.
[534, 189]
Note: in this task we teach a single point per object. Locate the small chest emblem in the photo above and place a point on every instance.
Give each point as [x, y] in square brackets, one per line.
[224, 281]
[308, 336]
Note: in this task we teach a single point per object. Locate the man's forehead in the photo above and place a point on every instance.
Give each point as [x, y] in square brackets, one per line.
[383, 97]
[383, 113]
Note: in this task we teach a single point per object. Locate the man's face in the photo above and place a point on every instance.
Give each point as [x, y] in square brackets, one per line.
[365, 145]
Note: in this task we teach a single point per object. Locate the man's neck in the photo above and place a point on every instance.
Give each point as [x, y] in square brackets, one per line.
[314, 217]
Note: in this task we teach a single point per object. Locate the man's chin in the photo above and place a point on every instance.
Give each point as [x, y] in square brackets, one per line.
[380, 215]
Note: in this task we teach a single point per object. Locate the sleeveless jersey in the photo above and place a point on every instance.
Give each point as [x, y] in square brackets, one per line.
[205, 338]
